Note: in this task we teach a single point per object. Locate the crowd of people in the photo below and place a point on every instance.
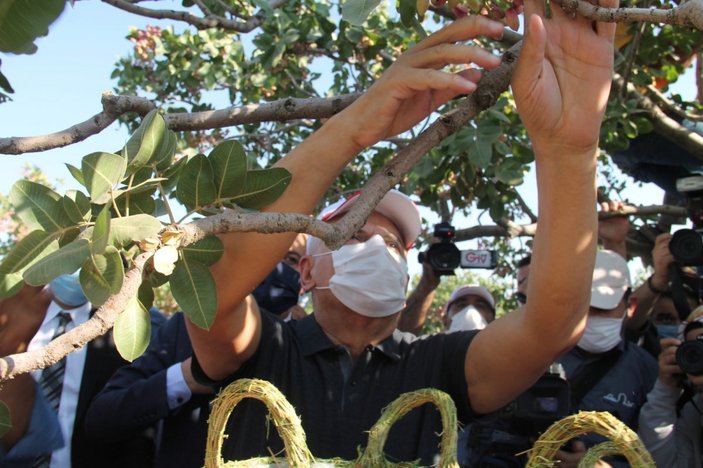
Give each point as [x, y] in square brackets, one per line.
[578, 319]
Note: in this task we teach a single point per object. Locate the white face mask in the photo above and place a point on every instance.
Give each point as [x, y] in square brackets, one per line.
[468, 318]
[602, 334]
[368, 278]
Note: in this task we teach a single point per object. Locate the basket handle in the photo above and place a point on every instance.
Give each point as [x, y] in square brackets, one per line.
[623, 440]
[282, 412]
[373, 454]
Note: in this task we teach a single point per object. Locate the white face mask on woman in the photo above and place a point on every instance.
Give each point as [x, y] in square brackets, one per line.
[368, 278]
[602, 334]
[468, 318]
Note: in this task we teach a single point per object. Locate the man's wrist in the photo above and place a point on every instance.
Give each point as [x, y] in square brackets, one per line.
[655, 286]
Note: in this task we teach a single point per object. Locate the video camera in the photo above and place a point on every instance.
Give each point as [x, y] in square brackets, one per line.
[520, 423]
[689, 356]
[686, 245]
[444, 257]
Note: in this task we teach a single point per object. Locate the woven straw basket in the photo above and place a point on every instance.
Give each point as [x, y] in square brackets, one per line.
[297, 454]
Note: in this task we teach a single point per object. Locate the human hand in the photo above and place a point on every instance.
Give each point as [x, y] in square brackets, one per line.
[414, 86]
[193, 385]
[572, 457]
[661, 258]
[669, 371]
[613, 230]
[563, 77]
[295, 312]
[21, 316]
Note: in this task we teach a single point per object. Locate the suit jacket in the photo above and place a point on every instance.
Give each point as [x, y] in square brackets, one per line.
[135, 398]
[136, 450]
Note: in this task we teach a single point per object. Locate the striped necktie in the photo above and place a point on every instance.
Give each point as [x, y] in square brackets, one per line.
[51, 379]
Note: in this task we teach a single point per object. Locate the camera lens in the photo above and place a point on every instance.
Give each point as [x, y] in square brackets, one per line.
[443, 257]
[686, 246]
[689, 357]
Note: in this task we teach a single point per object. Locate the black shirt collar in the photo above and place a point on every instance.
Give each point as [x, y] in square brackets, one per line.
[313, 339]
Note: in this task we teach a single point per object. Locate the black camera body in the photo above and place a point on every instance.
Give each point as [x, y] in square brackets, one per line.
[689, 356]
[686, 245]
[502, 441]
[546, 402]
[444, 257]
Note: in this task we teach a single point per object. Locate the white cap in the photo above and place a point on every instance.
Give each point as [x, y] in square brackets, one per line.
[394, 205]
[611, 278]
[472, 290]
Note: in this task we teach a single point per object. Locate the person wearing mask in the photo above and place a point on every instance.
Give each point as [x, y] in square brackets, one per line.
[341, 365]
[158, 387]
[605, 372]
[69, 386]
[671, 420]
[470, 307]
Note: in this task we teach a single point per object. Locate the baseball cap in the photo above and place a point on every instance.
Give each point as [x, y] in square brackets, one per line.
[611, 278]
[472, 290]
[394, 205]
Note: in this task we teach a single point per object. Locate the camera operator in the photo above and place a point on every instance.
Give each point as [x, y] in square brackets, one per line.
[670, 422]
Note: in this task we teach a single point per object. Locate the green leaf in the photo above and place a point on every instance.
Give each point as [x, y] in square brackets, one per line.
[132, 204]
[193, 287]
[72, 210]
[167, 150]
[196, 186]
[146, 295]
[30, 249]
[64, 261]
[408, 11]
[10, 284]
[82, 202]
[5, 84]
[102, 275]
[23, 21]
[76, 173]
[356, 11]
[510, 171]
[133, 228]
[229, 164]
[206, 251]
[132, 330]
[101, 231]
[263, 187]
[102, 171]
[38, 206]
[5, 419]
[146, 142]
[480, 153]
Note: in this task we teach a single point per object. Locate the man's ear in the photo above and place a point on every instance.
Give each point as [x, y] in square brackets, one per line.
[305, 265]
[631, 305]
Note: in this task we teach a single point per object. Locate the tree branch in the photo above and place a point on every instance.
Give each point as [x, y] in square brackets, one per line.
[114, 106]
[689, 13]
[207, 22]
[663, 124]
[670, 107]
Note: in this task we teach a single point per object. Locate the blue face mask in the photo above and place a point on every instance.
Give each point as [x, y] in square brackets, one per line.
[279, 291]
[67, 290]
[667, 330]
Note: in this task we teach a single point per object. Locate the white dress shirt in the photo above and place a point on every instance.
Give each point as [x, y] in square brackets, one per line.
[73, 374]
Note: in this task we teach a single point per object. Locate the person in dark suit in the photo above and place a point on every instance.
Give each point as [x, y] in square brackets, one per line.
[83, 374]
[158, 387]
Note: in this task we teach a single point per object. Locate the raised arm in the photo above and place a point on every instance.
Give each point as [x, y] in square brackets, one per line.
[409, 91]
[561, 88]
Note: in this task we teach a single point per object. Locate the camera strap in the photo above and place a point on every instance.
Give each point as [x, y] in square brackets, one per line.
[584, 380]
[678, 296]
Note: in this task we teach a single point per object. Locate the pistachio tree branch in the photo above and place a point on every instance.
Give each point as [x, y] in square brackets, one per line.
[670, 107]
[689, 13]
[208, 21]
[114, 106]
[103, 319]
[663, 124]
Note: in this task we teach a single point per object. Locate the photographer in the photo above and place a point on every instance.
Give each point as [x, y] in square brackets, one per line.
[670, 422]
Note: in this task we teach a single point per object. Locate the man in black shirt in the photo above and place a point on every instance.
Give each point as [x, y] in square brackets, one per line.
[348, 350]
